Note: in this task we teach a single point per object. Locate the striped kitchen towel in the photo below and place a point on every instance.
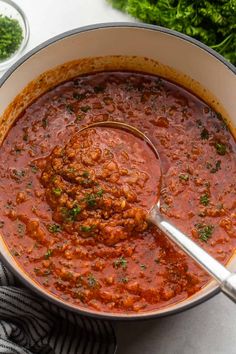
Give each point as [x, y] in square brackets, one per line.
[28, 325]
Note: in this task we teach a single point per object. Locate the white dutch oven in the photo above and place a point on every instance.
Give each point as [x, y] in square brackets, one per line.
[118, 46]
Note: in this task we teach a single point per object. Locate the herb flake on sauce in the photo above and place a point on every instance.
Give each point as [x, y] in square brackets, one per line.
[54, 228]
[120, 262]
[221, 148]
[204, 199]
[204, 231]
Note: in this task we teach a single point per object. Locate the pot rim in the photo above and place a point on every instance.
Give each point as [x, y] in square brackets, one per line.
[50, 297]
[113, 25]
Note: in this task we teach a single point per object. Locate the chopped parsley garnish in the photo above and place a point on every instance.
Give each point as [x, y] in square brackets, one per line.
[57, 191]
[30, 184]
[25, 137]
[11, 35]
[70, 214]
[120, 262]
[223, 121]
[92, 282]
[70, 108]
[204, 231]
[53, 178]
[54, 228]
[204, 134]
[18, 150]
[100, 192]
[90, 200]
[48, 254]
[85, 180]
[184, 177]
[34, 169]
[85, 174]
[79, 96]
[204, 199]
[44, 123]
[124, 280]
[143, 266]
[216, 168]
[85, 108]
[220, 148]
[85, 228]
[74, 212]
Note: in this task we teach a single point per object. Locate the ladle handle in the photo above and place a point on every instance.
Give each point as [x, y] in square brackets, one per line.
[224, 277]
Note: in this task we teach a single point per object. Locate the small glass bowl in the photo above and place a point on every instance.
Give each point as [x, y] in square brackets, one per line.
[10, 9]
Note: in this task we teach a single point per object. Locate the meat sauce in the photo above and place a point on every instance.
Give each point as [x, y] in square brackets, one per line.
[99, 185]
[73, 204]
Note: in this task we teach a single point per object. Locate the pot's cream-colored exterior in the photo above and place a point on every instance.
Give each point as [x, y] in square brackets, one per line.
[115, 46]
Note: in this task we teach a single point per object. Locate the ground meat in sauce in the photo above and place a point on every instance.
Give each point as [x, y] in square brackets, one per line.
[100, 185]
[145, 271]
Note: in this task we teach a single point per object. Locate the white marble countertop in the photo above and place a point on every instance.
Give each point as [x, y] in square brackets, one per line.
[207, 329]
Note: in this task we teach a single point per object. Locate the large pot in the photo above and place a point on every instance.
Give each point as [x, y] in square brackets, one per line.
[138, 47]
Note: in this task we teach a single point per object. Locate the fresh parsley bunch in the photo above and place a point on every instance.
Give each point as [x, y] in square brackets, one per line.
[212, 22]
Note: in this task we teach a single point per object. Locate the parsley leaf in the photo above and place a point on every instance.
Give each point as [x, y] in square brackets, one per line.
[44, 123]
[48, 254]
[120, 262]
[85, 228]
[57, 191]
[70, 108]
[184, 177]
[92, 282]
[216, 168]
[220, 148]
[74, 212]
[204, 199]
[204, 231]
[54, 228]
[204, 134]
[85, 108]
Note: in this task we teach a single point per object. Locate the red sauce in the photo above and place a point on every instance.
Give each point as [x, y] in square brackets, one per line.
[100, 185]
[142, 270]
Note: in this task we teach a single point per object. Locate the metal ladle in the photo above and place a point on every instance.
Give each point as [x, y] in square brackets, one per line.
[225, 278]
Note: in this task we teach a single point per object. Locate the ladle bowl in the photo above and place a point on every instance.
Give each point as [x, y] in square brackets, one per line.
[225, 278]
